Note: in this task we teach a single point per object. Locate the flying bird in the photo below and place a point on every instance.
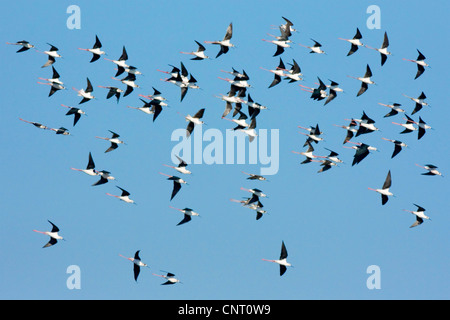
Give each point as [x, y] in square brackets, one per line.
[76, 112]
[365, 81]
[157, 95]
[254, 108]
[432, 170]
[225, 43]
[420, 102]
[194, 120]
[199, 54]
[278, 72]
[351, 130]
[86, 93]
[52, 53]
[153, 107]
[182, 79]
[362, 151]
[177, 181]
[25, 45]
[55, 82]
[325, 164]
[113, 91]
[318, 93]
[283, 259]
[366, 125]
[398, 146]
[256, 192]
[250, 130]
[420, 215]
[282, 42]
[409, 125]
[36, 124]
[115, 141]
[288, 26]
[254, 204]
[240, 121]
[384, 191]
[422, 127]
[125, 196]
[61, 130]
[355, 42]
[308, 154]
[229, 100]
[421, 64]
[105, 176]
[170, 277]
[95, 50]
[253, 176]
[129, 81]
[239, 83]
[137, 264]
[316, 48]
[383, 50]
[294, 73]
[181, 166]
[395, 109]
[90, 168]
[313, 136]
[121, 62]
[188, 214]
[53, 234]
[333, 156]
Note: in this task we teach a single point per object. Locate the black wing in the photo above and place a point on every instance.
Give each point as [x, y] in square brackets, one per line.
[112, 147]
[418, 222]
[124, 55]
[50, 243]
[397, 150]
[331, 96]
[282, 269]
[199, 113]
[276, 80]
[95, 57]
[54, 228]
[128, 91]
[353, 49]
[91, 164]
[124, 192]
[189, 129]
[284, 253]
[97, 43]
[388, 181]
[183, 92]
[364, 87]
[420, 70]
[223, 49]
[384, 199]
[136, 270]
[120, 70]
[156, 111]
[186, 218]
[111, 92]
[89, 86]
[102, 180]
[176, 188]
[360, 154]
[51, 60]
[279, 51]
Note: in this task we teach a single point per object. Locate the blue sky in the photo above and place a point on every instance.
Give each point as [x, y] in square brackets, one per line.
[334, 228]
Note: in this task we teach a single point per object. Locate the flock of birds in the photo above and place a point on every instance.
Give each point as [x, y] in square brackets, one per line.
[238, 96]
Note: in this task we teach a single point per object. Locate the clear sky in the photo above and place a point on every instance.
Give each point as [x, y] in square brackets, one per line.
[334, 228]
